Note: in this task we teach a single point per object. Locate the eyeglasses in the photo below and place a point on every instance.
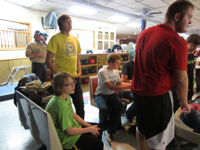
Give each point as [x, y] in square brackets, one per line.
[70, 84]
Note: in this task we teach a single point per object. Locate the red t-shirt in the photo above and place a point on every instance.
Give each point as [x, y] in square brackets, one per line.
[159, 51]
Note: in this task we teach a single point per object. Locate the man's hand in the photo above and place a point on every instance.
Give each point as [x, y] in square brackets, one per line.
[43, 41]
[41, 55]
[186, 106]
[79, 74]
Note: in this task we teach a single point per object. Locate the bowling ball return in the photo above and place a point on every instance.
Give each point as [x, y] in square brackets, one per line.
[184, 131]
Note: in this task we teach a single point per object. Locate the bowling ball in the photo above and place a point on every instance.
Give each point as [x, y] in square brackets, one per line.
[85, 81]
[121, 59]
[98, 60]
[85, 72]
[192, 119]
[197, 101]
[91, 70]
[81, 62]
[125, 58]
[92, 61]
[85, 61]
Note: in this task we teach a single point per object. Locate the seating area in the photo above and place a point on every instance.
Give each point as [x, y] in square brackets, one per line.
[39, 122]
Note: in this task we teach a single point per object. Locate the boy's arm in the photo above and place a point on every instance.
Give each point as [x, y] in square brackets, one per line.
[49, 62]
[119, 86]
[33, 55]
[74, 131]
[89, 128]
[124, 78]
[78, 66]
[80, 120]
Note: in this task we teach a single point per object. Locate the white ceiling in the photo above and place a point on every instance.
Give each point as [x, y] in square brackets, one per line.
[106, 8]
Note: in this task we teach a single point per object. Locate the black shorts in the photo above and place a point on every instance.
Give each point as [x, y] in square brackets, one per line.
[153, 113]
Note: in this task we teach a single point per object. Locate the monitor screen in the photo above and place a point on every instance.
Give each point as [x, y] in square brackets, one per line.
[51, 20]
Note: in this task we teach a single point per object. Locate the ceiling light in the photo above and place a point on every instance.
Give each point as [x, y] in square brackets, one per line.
[135, 33]
[26, 3]
[134, 25]
[119, 18]
[82, 10]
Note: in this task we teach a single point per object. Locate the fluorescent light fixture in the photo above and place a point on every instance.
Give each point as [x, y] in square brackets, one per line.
[119, 18]
[82, 10]
[26, 3]
[134, 25]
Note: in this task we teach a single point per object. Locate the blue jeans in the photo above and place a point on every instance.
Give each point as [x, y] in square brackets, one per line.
[77, 99]
[109, 105]
[131, 111]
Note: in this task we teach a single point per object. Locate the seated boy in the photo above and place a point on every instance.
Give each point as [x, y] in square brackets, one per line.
[106, 100]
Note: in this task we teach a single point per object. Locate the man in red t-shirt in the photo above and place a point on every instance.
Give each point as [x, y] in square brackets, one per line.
[159, 67]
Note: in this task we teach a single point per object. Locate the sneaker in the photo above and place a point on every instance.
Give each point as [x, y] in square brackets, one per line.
[109, 138]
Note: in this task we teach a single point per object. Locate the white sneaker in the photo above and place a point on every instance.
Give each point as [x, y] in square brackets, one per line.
[108, 137]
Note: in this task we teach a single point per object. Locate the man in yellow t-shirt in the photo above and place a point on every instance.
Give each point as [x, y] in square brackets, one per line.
[63, 49]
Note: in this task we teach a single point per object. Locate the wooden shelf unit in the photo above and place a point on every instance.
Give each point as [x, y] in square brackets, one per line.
[100, 60]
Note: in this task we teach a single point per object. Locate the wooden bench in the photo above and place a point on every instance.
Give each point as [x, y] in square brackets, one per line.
[39, 122]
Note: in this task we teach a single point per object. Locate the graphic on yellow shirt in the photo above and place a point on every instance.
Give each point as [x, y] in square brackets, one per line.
[70, 50]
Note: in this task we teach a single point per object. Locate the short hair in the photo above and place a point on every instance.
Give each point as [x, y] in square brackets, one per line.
[61, 19]
[113, 57]
[193, 38]
[58, 81]
[179, 6]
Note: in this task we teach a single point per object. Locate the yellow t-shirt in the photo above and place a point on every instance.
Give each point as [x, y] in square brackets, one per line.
[65, 49]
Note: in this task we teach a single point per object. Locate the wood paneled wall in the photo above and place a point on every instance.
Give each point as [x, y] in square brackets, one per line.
[6, 67]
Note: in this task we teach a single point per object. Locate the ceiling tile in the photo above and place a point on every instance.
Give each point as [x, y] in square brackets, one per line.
[124, 2]
[194, 21]
[66, 2]
[169, 1]
[154, 3]
[45, 8]
[163, 9]
[104, 3]
[196, 11]
[197, 4]
[139, 6]
[126, 9]
[55, 4]
[197, 17]
[70, 13]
